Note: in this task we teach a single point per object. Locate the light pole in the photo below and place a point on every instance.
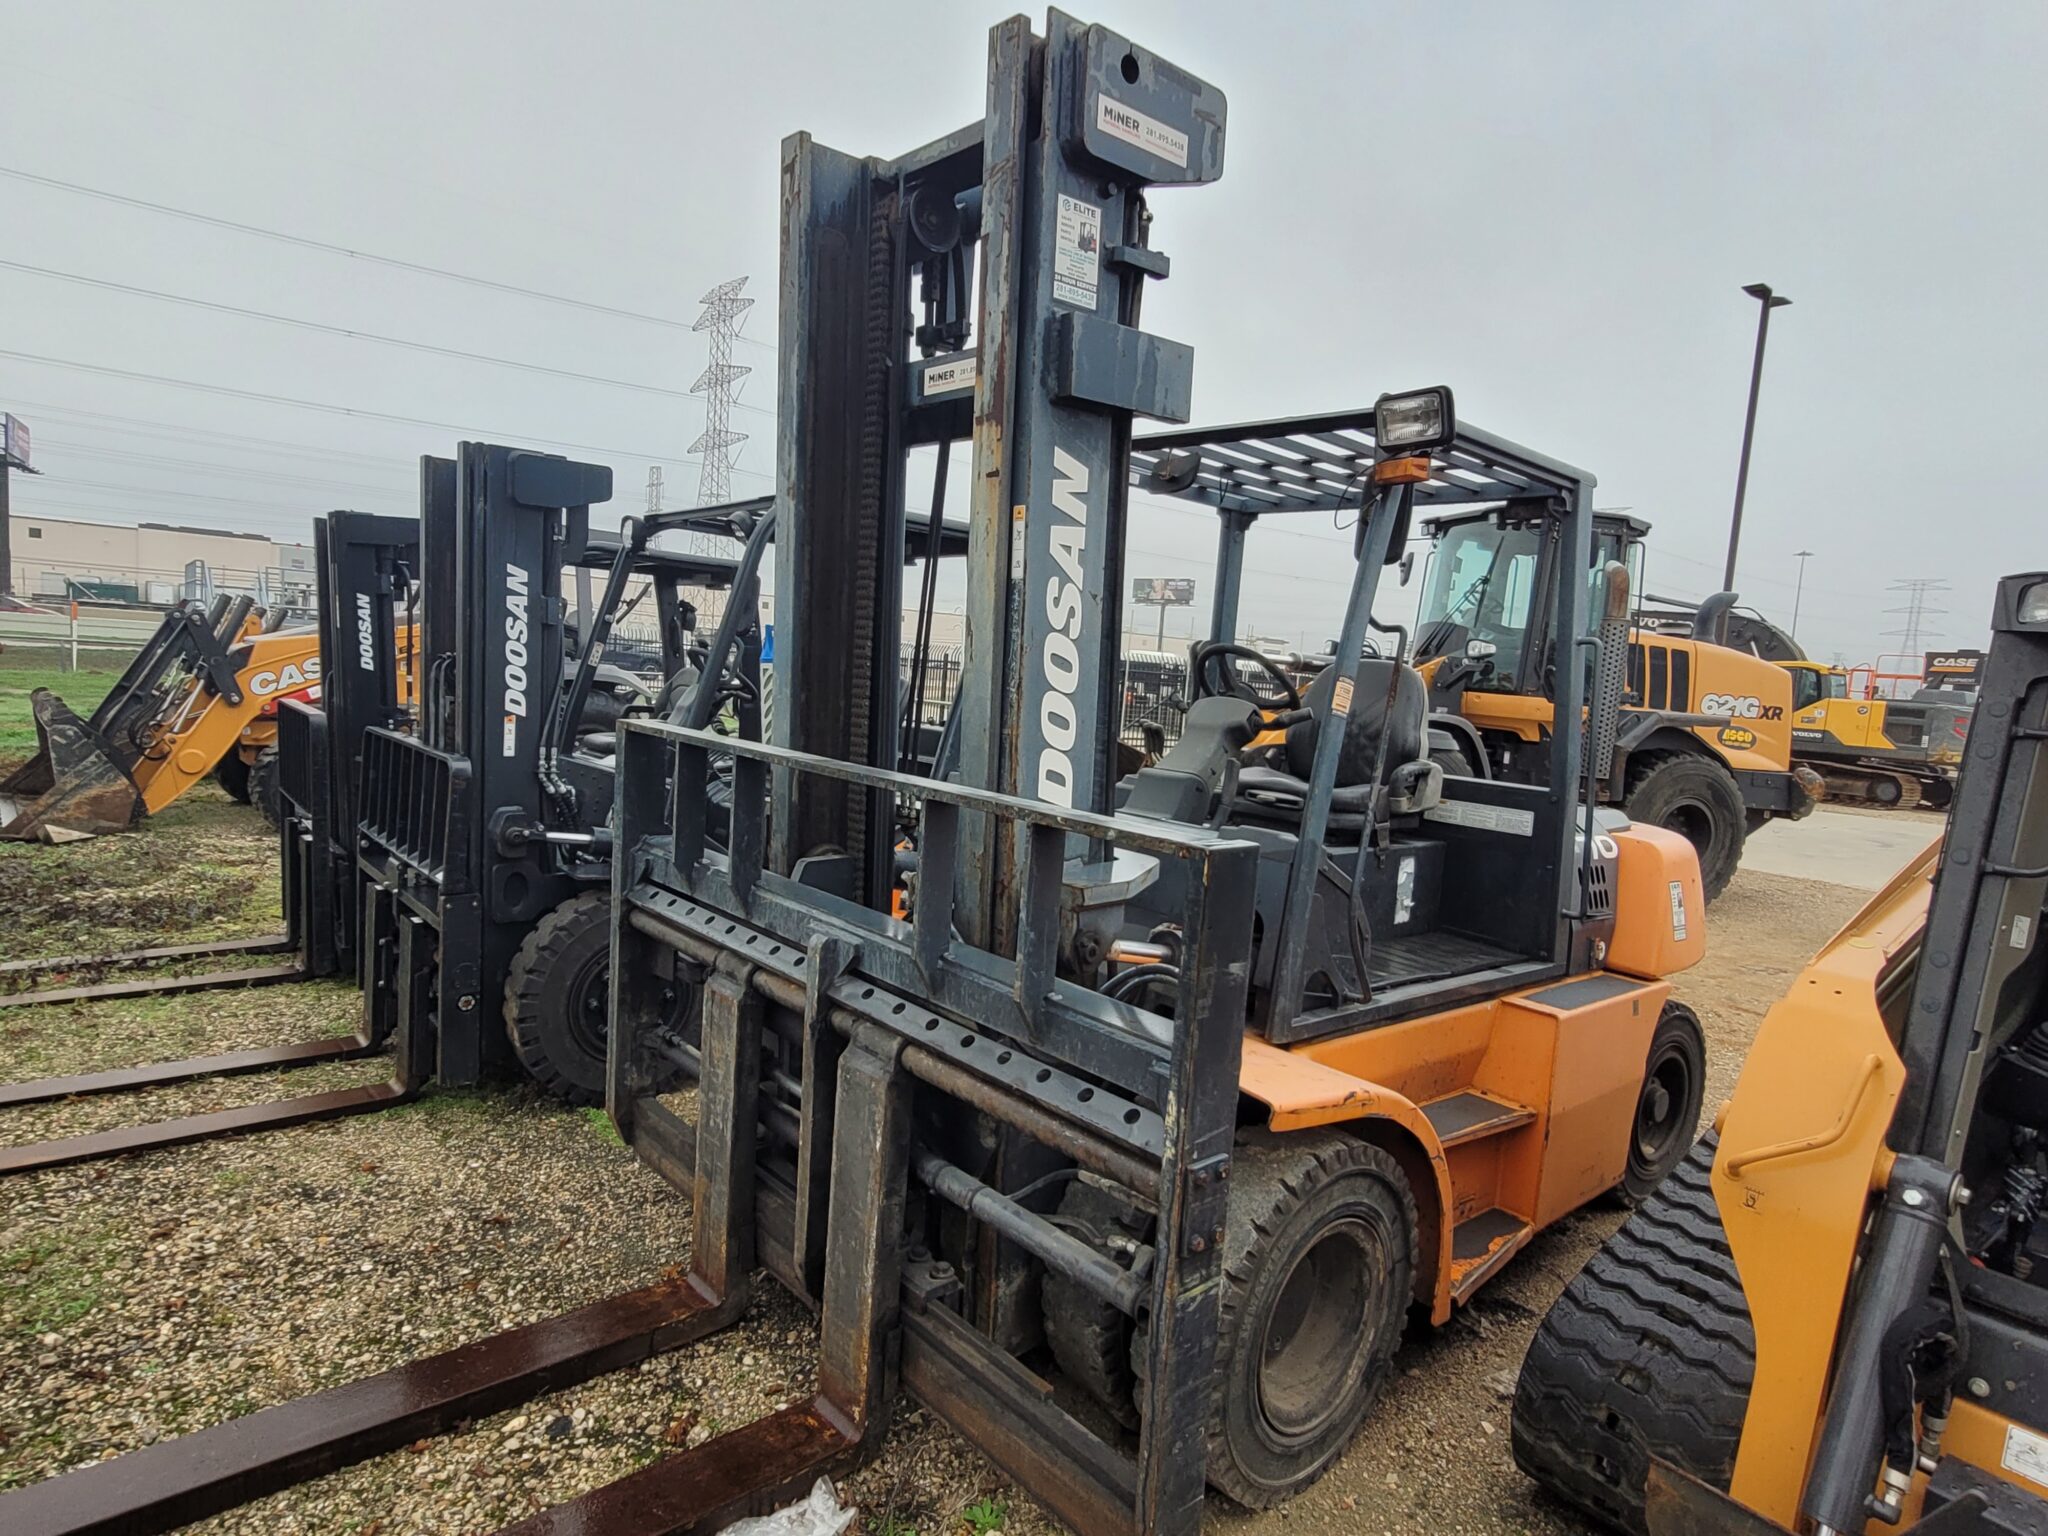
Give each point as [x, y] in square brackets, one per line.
[1799, 588]
[1766, 302]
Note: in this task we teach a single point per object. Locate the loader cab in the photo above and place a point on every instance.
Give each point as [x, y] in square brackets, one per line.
[1485, 617]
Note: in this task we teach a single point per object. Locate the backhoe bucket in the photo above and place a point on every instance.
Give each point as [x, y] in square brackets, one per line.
[73, 787]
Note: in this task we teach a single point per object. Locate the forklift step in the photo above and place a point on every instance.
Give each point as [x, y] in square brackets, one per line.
[1470, 1116]
[306, 1053]
[160, 986]
[746, 1471]
[1481, 1244]
[38, 1155]
[175, 1482]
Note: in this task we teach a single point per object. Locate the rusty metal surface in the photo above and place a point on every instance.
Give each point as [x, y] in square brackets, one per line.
[306, 1053]
[72, 787]
[38, 1155]
[1675, 1503]
[267, 944]
[176, 1482]
[158, 986]
[746, 1471]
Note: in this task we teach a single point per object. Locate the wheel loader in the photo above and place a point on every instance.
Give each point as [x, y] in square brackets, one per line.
[1706, 741]
[200, 698]
[1833, 1317]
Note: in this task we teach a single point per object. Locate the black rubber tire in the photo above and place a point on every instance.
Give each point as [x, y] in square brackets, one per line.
[556, 1008]
[1290, 1197]
[232, 775]
[1696, 796]
[1648, 1352]
[1667, 1114]
[1453, 761]
[263, 792]
[1089, 1337]
[1937, 794]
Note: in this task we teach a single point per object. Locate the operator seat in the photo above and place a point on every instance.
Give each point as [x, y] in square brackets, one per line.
[1390, 701]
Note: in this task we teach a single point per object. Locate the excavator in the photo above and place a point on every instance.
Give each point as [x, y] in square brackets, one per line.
[1706, 742]
[1865, 747]
[200, 698]
[1833, 1317]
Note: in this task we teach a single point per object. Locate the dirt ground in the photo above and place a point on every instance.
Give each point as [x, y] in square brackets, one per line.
[152, 1296]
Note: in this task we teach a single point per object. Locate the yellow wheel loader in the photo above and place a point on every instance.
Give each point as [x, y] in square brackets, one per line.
[1705, 744]
[200, 698]
[1834, 1316]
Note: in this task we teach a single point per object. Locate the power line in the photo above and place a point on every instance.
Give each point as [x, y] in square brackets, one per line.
[307, 243]
[340, 330]
[346, 410]
[148, 426]
[203, 466]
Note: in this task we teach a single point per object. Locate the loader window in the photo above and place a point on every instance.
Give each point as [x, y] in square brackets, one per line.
[1481, 579]
[1806, 686]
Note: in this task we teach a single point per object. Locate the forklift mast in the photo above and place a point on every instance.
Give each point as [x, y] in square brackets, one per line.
[1045, 365]
[365, 567]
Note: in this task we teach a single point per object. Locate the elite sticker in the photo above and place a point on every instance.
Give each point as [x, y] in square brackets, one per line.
[1077, 252]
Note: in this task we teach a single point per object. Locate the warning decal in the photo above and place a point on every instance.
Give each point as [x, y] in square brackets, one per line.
[2026, 1455]
[1077, 252]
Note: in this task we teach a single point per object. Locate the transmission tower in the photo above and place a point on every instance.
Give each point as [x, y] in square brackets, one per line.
[718, 384]
[1915, 613]
[654, 487]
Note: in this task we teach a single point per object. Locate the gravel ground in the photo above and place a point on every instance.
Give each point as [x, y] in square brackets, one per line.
[155, 1295]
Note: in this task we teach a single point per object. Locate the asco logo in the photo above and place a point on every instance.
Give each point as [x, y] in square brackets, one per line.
[1740, 707]
[1736, 736]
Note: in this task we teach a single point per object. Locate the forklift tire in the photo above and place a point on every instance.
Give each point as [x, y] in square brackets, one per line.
[1649, 1352]
[263, 787]
[1697, 797]
[232, 775]
[556, 998]
[1318, 1271]
[1089, 1338]
[1667, 1116]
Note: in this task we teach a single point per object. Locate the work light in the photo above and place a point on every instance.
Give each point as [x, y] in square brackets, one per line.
[2034, 603]
[1416, 422]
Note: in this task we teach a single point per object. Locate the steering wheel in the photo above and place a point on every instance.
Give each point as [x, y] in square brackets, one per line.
[1215, 679]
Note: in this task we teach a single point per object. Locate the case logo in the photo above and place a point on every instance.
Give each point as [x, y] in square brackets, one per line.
[286, 678]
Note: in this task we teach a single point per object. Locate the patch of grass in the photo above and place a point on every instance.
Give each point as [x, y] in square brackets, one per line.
[451, 1104]
[233, 1178]
[82, 690]
[890, 1525]
[985, 1515]
[52, 1282]
[602, 1124]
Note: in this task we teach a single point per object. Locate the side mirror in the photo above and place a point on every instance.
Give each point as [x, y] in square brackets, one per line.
[1407, 566]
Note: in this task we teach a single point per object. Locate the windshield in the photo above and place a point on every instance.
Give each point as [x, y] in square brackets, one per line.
[1480, 581]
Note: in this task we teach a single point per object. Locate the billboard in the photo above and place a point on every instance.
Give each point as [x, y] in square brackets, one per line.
[1162, 591]
[14, 441]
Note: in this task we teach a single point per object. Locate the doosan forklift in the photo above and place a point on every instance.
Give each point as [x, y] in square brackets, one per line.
[1175, 1091]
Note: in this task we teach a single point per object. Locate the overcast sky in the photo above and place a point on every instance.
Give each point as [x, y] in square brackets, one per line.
[1551, 208]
